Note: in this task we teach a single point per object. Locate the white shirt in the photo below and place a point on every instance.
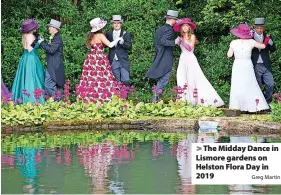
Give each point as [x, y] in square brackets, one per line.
[116, 34]
[259, 38]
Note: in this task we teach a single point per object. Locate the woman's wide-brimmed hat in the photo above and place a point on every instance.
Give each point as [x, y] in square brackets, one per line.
[243, 31]
[29, 25]
[97, 24]
[177, 26]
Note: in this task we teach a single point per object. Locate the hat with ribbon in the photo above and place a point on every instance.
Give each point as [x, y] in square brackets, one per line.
[29, 25]
[177, 26]
[97, 24]
[259, 21]
[117, 18]
[243, 31]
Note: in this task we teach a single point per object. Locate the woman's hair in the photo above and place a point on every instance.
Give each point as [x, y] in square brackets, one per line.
[189, 33]
[90, 36]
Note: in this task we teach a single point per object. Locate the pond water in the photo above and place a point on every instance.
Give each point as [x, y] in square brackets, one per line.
[110, 162]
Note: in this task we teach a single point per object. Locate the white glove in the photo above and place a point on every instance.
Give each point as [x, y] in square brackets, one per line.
[40, 39]
[113, 43]
[121, 41]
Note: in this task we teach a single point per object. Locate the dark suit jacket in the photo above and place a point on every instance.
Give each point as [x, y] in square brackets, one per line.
[54, 53]
[121, 50]
[264, 54]
[164, 43]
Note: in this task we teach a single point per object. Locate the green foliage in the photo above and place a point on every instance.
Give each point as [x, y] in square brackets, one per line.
[276, 109]
[276, 112]
[117, 109]
[214, 18]
[9, 143]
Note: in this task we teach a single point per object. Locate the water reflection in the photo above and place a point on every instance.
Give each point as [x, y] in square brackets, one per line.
[243, 189]
[28, 161]
[184, 164]
[154, 165]
[96, 160]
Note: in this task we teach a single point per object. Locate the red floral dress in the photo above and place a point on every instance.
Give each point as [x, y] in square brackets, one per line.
[97, 82]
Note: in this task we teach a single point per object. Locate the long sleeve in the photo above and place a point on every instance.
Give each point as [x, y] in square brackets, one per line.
[113, 43]
[167, 38]
[127, 41]
[53, 47]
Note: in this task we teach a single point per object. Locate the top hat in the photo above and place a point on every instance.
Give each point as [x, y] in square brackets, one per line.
[97, 24]
[259, 21]
[177, 26]
[172, 14]
[29, 25]
[117, 18]
[243, 31]
[54, 23]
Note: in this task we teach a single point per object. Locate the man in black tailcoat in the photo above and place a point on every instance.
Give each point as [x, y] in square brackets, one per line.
[55, 76]
[118, 55]
[164, 43]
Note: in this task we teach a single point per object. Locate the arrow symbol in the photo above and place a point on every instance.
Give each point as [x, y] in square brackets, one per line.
[198, 148]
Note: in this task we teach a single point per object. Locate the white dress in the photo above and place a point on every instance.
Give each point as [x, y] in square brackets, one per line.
[189, 73]
[245, 90]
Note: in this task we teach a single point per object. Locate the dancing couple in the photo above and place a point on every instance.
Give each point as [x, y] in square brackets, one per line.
[101, 74]
[246, 81]
[32, 82]
[196, 88]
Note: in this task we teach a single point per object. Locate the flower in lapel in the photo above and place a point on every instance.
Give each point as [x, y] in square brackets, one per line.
[51, 38]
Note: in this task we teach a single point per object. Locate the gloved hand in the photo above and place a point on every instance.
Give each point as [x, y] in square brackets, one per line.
[270, 42]
[121, 41]
[266, 40]
[113, 43]
[40, 39]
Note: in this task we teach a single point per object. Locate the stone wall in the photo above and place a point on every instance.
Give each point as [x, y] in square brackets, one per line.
[226, 126]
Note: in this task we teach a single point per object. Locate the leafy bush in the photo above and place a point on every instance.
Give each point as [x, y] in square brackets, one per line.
[117, 109]
[276, 108]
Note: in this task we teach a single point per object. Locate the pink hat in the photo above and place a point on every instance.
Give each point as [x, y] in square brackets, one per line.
[177, 26]
[97, 24]
[243, 31]
[29, 25]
